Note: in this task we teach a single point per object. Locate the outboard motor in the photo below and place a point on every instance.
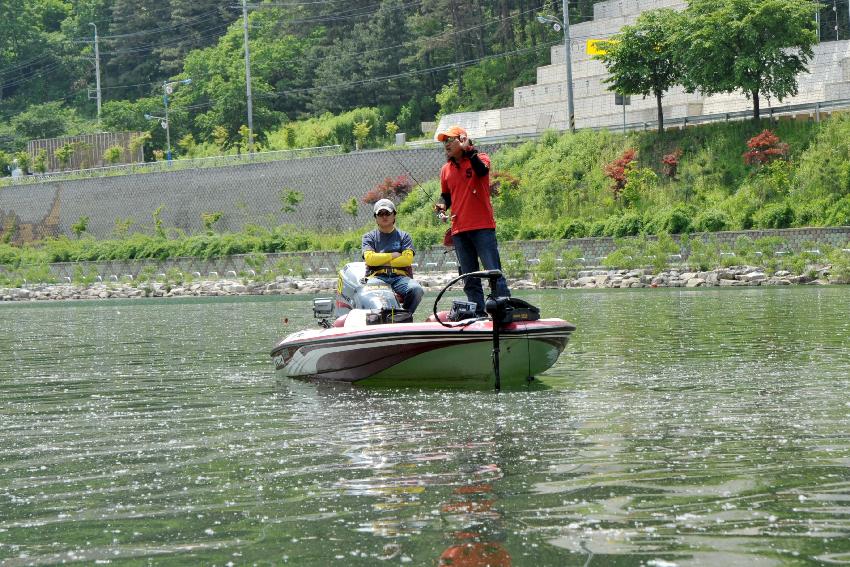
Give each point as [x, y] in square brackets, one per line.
[355, 291]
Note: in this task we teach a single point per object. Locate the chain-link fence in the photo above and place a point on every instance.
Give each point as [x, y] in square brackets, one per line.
[309, 192]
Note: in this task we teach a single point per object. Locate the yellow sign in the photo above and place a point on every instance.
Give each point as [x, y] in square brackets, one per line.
[593, 47]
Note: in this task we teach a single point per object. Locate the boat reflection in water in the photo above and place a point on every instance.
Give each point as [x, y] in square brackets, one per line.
[373, 341]
[473, 506]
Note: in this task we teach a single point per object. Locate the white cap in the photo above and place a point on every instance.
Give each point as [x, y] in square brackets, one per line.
[383, 205]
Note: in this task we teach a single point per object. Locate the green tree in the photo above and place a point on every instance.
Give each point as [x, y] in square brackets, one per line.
[756, 46]
[124, 115]
[391, 128]
[39, 163]
[137, 28]
[5, 162]
[194, 19]
[209, 219]
[640, 58]
[290, 199]
[64, 155]
[112, 155]
[187, 144]
[47, 120]
[24, 161]
[79, 227]
[361, 132]
[139, 141]
[218, 75]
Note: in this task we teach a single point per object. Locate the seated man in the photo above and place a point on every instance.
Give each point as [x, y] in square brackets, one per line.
[388, 252]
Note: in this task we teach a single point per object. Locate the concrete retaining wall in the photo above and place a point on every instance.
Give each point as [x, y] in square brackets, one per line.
[245, 194]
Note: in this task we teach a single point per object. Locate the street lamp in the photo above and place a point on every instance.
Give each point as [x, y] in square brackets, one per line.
[557, 25]
[167, 89]
[164, 123]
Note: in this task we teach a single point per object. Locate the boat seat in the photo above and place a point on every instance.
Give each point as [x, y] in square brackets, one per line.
[355, 318]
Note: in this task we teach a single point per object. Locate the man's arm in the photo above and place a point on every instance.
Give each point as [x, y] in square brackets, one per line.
[480, 162]
[403, 260]
[445, 200]
[371, 257]
[378, 258]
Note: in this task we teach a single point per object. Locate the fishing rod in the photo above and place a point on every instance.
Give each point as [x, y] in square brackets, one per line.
[440, 214]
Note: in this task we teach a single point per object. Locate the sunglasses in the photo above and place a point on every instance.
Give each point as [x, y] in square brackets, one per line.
[449, 140]
[384, 214]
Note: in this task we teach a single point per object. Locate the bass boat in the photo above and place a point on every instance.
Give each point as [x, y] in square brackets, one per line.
[365, 337]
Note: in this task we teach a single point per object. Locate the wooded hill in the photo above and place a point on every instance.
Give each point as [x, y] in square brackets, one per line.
[307, 59]
[404, 60]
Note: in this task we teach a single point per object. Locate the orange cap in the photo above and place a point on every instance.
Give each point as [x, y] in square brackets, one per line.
[451, 132]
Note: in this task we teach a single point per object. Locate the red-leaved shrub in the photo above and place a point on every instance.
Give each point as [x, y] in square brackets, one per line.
[393, 189]
[671, 162]
[764, 148]
[616, 170]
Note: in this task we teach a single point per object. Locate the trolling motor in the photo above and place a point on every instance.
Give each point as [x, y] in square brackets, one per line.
[502, 310]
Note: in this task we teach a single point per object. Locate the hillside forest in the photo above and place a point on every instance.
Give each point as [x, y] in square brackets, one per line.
[316, 67]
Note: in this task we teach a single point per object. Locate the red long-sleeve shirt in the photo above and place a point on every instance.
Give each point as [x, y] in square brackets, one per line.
[470, 195]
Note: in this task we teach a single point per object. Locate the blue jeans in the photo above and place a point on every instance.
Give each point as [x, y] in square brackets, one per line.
[409, 289]
[469, 247]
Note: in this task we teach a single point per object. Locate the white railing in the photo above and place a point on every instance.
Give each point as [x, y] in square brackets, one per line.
[177, 164]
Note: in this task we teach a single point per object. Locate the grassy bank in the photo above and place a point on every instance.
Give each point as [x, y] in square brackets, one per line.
[565, 186]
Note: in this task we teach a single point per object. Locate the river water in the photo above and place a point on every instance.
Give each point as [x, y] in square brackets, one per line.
[682, 427]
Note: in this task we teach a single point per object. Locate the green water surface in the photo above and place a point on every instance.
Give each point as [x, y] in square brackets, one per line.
[682, 427]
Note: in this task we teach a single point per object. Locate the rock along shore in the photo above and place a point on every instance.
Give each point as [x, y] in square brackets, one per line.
[287, 285]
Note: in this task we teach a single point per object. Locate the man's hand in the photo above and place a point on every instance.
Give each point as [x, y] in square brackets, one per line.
[440, 209]
[396, 255]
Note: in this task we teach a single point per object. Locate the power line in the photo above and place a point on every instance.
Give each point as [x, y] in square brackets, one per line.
[169, 27]
[168, 43]
[410, 73]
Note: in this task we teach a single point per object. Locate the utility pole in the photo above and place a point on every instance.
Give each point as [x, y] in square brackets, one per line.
[557, 25]
[571, 111]
[248, 78]
[97, 69]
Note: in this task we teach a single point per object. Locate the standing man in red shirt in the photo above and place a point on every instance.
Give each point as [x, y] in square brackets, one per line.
[465, 188]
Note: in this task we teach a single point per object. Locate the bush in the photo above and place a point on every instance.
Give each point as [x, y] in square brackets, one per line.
[616, 170]
[811, 213]
[703, 255]
[839, 213]
[507, 230]
[640, 183]
[112, 155]
[774, 215]
[514, 262]
[571, 228]
[597, 228]
[670, 162]
[840, 261]
[628, 255]
[676, 220]
[531, 230]
[396, 190]
[765, 148]
[629, 224]
[658, 252]
[711, 220]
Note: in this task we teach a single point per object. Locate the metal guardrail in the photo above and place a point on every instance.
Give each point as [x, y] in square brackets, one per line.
[177, 164]
[771, 112]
